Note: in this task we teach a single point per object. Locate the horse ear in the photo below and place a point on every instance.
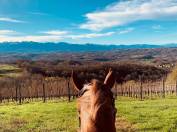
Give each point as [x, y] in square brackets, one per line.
[77, 83]
[110, 79]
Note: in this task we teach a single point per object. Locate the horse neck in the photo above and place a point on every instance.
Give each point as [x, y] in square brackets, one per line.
[98, 120]
[104, 120]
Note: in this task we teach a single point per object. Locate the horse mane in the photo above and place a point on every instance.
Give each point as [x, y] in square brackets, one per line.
[96, 105]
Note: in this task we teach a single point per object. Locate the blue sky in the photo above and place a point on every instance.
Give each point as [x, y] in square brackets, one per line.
[89, 21]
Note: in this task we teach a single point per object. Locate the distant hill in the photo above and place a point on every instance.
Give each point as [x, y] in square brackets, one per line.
[34, 47]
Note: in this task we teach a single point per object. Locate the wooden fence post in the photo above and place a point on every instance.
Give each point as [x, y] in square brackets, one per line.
[129, 92]
[122, 93]
[151, 92]
[141, 89]
[44, 94]
[20, 94]
[176, 87]
[12, 96]
[16, 92]
[0, 96]
[69, 91]
[130, 89]
[163, 88]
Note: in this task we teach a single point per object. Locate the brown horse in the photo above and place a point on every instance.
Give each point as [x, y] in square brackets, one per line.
[95, 104]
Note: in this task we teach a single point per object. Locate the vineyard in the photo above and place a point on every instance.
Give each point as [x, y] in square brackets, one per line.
[39, 88]
[47, 81]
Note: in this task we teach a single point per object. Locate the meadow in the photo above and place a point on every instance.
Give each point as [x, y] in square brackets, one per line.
[61, 116]
[7, 70]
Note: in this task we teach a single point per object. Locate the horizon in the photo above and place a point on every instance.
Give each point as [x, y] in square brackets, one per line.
[109, 22]
[99, 44]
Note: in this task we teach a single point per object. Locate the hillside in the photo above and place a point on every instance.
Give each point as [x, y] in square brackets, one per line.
[34, 47]
[157, 56]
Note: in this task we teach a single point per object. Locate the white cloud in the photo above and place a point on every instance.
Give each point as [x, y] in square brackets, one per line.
[6, 19]
[125, 12]
[51, 36]
[29, 38]
[157, 27]
[38, 13]
[90, 35]
[7, 32]
[125, 31]
[56, 32]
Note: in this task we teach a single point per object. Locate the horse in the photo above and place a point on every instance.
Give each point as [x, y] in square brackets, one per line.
[96, 104]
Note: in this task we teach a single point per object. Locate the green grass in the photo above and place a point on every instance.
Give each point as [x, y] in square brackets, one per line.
[52, 116]
[150, 115]
[8, 67]
[61, 116]
[7, 70]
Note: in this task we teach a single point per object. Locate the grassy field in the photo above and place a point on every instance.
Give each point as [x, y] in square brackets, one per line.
[9, 70]
[61, 116]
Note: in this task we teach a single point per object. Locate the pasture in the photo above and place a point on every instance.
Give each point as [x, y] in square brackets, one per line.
[61, 116]
[7, 70]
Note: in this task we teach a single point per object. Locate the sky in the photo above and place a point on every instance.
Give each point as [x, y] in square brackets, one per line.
[89, 21]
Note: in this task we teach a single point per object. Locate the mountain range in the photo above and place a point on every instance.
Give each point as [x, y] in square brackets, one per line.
[34, 47]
